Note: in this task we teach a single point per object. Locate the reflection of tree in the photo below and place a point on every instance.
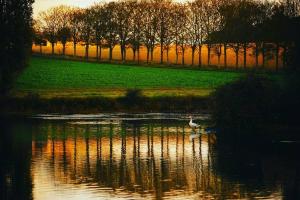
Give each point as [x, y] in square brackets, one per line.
[145, 158]
[87, 152]
[15, 168]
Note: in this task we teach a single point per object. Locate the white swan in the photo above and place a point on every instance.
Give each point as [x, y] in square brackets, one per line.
[192, 124]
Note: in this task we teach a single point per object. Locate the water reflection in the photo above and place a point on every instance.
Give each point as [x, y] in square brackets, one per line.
[132, 159]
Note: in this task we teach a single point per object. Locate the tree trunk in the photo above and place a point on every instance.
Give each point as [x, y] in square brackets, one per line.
[193, 55]
[176, 50]
[100, 52]
[182, 56]
[138, 54]
[225, 55]
[168, 55]
[124, 53]
[219, 55]
[148, 53]
[52, 45]
[41, 49]
[134, 52]
[284, 55]
[97, 51]
[64, 48]
[161, 52]
[208, 55]
[110, 53]
[152, 50]
[256, 54]
[277, 56]
[87, 51]
[245, 55]
[263, 55]
[237, 59]
[74, 48]
[200, 52]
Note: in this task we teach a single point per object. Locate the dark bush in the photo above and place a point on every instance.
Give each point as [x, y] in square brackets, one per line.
[246, 105]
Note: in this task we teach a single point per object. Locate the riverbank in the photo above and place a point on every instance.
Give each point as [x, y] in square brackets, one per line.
[128, 103]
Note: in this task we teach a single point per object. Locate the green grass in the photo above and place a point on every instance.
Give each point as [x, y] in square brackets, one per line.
[52, 77]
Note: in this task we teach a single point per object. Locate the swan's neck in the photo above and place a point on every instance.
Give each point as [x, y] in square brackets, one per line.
[191, 120]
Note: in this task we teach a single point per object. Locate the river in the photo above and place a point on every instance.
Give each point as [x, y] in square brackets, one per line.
[137, 156]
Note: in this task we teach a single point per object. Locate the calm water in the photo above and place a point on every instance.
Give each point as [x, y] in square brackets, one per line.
[149, 156]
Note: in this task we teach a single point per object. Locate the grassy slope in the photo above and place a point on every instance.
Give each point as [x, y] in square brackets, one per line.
[50, 77]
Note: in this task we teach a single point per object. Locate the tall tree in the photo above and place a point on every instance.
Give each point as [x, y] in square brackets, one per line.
[50, 25]
[75, 17]
[86, 30]
[211, 20]
[135, 36]
[123, 21]
[110, 23]
[64, 30]
[38, 36]
[149, 28]
[15, 39]
[182, 32]
[98, 28]
[163, 24]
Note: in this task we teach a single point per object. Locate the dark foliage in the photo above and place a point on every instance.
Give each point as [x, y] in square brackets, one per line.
[15, 39]
[256, 109]
[246, 105]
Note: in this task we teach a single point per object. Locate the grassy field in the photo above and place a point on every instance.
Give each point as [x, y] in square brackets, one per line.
[61, 78]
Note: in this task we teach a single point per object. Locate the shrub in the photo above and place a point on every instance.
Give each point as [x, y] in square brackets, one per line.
[245, 105]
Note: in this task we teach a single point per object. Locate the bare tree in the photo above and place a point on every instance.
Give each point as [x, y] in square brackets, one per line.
[64, 30]
[86, 30]
[135, 28]
[97, 12]
[217, 49]
[75, 17]
[50, 25]
[182, 30]
[149, 28]
[123, 19]
[38, 36]
[211, 21]
[164, 19]
[196, 28]
[110, 36]
[236, 47]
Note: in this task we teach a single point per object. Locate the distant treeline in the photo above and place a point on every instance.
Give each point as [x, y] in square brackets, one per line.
[266, 27]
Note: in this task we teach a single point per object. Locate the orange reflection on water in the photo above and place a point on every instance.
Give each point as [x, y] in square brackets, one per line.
[125, 161]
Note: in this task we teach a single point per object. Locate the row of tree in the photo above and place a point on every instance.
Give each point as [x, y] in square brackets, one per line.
[219, 24]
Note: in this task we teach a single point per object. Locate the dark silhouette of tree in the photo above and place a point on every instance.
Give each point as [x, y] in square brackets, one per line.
[164, 22]
[64, 29]
[97, 12]
[15, 39]
[123, 21]
[135, 36]
[149, 29]
[50, 25]
[211, 21]
[110, 23]
[75, 15]
[38, 37]
[86, 30]
[182, 30]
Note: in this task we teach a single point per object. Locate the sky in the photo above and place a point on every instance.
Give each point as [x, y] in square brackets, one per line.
[42, 5]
